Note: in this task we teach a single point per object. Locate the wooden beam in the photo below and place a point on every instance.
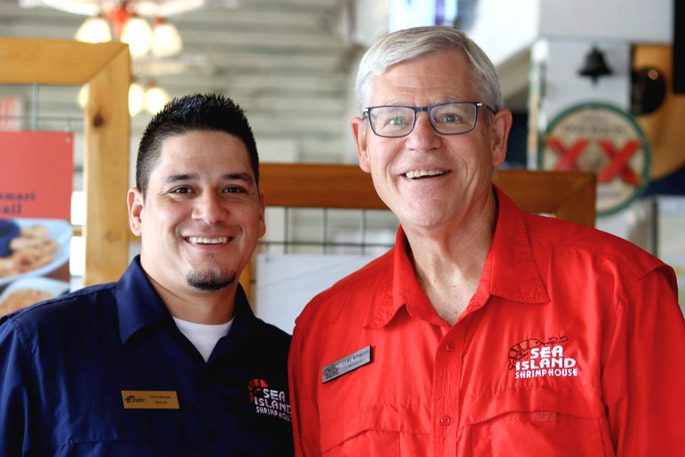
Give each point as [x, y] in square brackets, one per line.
[59, 62]
[105, 171]
[317, 186]
[567, 195]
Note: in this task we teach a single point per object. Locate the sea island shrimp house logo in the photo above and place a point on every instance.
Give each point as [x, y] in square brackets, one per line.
[268, 401]
[542, 358]
[602, 139]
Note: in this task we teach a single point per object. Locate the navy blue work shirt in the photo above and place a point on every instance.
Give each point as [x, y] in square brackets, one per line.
[104, 371]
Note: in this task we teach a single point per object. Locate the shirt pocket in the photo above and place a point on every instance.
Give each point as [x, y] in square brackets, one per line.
[547, 433]
[173, 430]
[541, 422]
[378, 431]
[370, 443]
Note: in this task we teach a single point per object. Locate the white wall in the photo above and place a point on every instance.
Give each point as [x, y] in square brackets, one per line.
[564, 87]
[646, 21]
[504, 27]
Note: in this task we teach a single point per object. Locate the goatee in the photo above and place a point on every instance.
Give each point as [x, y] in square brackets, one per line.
[209, 281]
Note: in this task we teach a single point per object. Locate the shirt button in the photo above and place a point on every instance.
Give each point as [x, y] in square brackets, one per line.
[449, 346]
[445, 420]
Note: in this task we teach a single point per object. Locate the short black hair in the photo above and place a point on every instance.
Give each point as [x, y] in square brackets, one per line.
[188, 113]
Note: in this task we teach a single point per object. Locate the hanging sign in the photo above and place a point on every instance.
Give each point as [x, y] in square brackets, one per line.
[605, 140]
[36, 176]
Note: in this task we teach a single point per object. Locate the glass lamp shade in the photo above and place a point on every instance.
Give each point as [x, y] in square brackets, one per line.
[155, 98]
[138, 35]
[136, 98]
[166, 41]
[94, 29]
[82, 97]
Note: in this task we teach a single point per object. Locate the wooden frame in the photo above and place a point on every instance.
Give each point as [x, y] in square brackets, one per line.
[106, 68]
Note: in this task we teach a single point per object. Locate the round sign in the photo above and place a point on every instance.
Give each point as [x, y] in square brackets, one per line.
[602, 139]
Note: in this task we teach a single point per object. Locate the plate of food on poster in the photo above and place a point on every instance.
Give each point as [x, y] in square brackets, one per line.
[32, 247]
[27, 291]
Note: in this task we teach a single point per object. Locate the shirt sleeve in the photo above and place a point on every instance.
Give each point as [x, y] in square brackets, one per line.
[303, 394]
[644, 370]
[14, 395]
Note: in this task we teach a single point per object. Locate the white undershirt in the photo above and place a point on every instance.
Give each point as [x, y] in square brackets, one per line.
[203, 336]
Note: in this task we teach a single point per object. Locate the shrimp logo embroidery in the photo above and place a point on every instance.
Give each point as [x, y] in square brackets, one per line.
[271, 402]
[535, 358]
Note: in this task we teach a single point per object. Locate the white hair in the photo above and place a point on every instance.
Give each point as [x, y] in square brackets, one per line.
[416, 42]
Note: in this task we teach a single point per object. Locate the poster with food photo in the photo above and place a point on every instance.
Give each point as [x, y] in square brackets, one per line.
[36, 181]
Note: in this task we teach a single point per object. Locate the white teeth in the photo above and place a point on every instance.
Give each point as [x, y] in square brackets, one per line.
[421, 173]
[202, 240]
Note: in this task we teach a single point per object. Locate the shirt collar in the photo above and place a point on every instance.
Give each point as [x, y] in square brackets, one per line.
[243, 322]
[510, 272]
[405, 290]
[139, 305]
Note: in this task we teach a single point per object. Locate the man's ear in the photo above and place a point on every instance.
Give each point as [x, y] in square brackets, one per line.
[500, 126]
[134, 200]
[359, 131]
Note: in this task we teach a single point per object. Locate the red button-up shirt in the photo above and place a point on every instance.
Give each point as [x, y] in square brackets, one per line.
[573, 344]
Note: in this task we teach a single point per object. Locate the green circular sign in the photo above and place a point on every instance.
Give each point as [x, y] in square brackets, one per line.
[602, 139]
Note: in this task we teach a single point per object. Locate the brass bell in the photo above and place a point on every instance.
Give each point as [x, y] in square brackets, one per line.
[594, 65]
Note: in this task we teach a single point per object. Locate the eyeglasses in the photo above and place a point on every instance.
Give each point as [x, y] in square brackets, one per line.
[453, 118]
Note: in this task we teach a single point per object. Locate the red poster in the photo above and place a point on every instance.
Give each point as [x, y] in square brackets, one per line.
[36, 176]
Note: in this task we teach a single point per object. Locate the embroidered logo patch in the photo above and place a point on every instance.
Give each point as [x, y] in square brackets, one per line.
[536, 358]
[270, 402]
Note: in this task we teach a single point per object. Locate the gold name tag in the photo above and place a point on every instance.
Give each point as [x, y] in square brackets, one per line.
[150, 399]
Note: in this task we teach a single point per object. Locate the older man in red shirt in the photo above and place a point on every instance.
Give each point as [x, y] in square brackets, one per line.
[485, 331]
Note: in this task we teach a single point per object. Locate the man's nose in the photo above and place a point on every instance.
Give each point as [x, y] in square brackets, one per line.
[210, 208]
[423, 135]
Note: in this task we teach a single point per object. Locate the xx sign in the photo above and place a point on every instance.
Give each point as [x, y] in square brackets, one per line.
[602, 139]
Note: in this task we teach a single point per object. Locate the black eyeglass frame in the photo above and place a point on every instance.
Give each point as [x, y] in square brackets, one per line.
[366, 114]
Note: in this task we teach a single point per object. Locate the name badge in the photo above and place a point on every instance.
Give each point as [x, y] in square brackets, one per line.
[346, 364]
[150, 399]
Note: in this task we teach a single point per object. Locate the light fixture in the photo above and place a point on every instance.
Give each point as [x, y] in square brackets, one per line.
[166, 41]
[94, 29]
[137, 33]
[83, 96]
[136, 98]
[155, 97]
[151, 98]
[125, 20]
[648, 90]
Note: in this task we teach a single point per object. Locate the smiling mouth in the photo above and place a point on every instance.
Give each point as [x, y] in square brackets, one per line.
[204, 240]
[418, 174]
